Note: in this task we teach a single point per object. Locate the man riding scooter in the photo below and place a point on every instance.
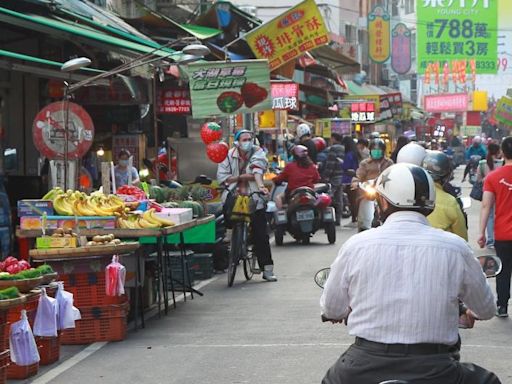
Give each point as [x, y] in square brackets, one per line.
[370, 169]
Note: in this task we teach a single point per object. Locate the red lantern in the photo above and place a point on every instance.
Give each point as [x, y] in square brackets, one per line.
[211, 132]
[217, 152]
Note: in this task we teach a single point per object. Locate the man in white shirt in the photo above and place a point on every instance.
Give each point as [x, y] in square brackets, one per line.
[397, 287]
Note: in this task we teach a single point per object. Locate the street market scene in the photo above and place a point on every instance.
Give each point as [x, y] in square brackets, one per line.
[221, 191]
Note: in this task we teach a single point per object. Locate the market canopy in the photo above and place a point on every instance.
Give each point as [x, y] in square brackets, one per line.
[335, 60]
[73, 31]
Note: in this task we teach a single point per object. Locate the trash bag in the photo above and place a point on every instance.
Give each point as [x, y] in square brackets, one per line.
[67, 314]
[22, 343]
[45, 323]
[115, 275]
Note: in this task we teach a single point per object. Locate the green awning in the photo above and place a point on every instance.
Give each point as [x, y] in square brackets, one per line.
[33, 59]
[202, 33]
[72, 31]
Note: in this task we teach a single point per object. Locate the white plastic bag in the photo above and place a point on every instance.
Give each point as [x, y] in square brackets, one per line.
[115, 275]
[67, 313]
[45, 323]
[22, 343]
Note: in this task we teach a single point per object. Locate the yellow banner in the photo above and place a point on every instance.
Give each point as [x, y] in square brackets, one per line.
[289, 35]
[379, 34]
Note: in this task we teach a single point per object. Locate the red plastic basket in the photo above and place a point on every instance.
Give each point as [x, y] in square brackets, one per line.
[14, 313]
[91, 330]
[88, 289]
[4, 363]
[20, 372]
[49, 349]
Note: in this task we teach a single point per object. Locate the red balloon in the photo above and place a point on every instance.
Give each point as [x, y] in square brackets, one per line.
[217, 152]
[211, 132]
[320, 143]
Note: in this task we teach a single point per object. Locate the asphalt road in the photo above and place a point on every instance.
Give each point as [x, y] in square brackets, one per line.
[254, 332]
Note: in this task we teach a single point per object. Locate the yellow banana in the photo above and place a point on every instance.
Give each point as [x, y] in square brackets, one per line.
[163, 222]
[61, 206]
[146, 224]
[150, 218]
[95, 206]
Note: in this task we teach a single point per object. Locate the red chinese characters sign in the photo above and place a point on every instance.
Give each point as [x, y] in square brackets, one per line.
[174, 101]
[455, 102]
[363, 112]
[401, 49]
[285, 96]
[289, 35]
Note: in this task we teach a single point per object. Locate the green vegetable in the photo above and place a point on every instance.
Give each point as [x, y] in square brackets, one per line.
[28, 274]
[8, 277]
[9, 293]
[45, 269]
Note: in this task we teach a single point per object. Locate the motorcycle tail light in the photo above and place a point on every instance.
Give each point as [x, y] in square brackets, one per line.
[304, 199]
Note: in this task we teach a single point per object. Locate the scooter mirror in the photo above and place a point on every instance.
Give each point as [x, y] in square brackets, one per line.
[368, 187]
[321, 277]
[491, 265]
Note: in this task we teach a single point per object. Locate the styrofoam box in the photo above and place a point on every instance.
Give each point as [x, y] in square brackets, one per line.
[176, 215]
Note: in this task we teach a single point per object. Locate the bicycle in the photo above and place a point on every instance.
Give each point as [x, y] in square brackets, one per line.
[241, 249]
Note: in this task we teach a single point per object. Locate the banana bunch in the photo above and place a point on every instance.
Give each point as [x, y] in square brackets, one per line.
[53, 193]
[242, 208]
[75, 203]
[144, 221]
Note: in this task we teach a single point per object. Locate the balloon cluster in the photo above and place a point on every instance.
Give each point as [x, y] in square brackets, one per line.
[211, 134]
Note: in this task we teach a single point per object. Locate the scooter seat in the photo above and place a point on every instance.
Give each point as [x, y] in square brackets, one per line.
[301, 190]
[321, 188]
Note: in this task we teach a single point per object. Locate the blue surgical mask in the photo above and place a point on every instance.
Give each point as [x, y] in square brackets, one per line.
[377, 154]
[246, 146]
[123, 163]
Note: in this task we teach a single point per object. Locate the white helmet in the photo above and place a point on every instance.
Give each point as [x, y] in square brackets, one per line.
[303, 130]
[407, 186]
[411, 153]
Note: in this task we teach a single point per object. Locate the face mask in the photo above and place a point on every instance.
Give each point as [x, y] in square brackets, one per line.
[123, 163]
[246, 146]
[376, 154]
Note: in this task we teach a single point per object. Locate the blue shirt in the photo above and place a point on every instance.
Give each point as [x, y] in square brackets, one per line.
[476, 151]
[349, 162]
[122, 175]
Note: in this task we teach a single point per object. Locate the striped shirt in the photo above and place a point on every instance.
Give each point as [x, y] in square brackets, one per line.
[403, 281]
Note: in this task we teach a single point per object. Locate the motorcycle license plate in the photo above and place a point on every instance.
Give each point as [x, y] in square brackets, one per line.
[305, 215]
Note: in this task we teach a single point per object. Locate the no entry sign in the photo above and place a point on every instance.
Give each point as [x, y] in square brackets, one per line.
[48, 131]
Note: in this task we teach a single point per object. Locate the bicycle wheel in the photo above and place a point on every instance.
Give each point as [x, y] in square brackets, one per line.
[235, 251]
[249, 263]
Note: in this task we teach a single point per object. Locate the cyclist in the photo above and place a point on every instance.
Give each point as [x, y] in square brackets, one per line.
[244, 168]
[394, 287]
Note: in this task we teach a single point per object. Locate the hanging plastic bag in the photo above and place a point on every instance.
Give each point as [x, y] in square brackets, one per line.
[115, 275]
[22, 343]
[45, 323]
[67, 313]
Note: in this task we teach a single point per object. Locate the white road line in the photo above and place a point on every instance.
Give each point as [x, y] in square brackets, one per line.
[71, 362]
[95, 347]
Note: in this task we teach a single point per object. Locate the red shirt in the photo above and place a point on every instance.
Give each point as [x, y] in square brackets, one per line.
[298, 177]
[499, 182]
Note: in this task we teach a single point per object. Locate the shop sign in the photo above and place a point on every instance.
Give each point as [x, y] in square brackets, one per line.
[504, 111]
[323, 128]
[341, 127]
[401, 49]
[219, 88]
[49, 130]
[363, 113]
[471, 130]
[455, 30]
[289, 35]
[390, 106]
[455, 102]
[379, 34]
[174, 101]
[285, 96]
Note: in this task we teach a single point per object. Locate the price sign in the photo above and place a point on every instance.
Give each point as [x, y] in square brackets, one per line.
[458, 30]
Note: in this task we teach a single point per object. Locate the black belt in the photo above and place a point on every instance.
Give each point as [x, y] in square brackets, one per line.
[405, 349]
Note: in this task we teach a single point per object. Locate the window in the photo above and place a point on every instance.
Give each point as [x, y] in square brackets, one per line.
[350, 33]
[394, 8]
[409, 6]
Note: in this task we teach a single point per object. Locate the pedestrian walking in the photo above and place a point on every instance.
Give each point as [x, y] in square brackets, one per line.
[498, 194]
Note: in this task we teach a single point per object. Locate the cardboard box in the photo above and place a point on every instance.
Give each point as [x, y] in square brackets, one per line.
[56, 242]
[35, 207]
[54, 222]
[176, 215]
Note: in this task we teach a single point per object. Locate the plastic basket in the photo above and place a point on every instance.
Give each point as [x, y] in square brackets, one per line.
[30, 305]
[49, 349]
[91, 330]
[5, 360]
[88, 289]
[20, 372]
[201, 266]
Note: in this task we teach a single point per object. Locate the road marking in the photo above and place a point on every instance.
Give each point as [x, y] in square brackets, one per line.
[95, 347]
[69, 363]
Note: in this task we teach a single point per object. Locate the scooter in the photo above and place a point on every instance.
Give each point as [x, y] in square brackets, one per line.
[491, 266]
[308, 211]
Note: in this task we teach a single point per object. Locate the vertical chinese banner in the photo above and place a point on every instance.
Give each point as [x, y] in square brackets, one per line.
[289, 35]
[379, 32]
[401, 49]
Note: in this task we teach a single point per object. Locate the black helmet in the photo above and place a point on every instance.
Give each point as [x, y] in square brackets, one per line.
[439, 166]
[377, 144]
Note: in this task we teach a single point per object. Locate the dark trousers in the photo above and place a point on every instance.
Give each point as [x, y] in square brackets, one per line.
[352, 199]
[337, 201]
[260, 240]
[504, 252]
[364, 366]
